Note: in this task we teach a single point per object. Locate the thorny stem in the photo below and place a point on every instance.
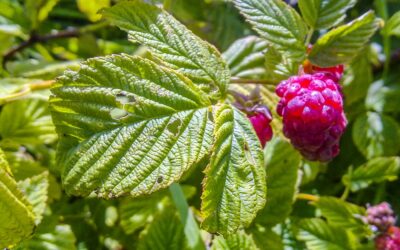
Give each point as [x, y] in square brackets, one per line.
[26, 90]
[308, 197]
[252, 81]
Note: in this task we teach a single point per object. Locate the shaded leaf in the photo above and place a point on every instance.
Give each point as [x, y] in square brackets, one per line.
[376, 135]
[392, 27]
[383, 98]
[237, 241]
[282, 162]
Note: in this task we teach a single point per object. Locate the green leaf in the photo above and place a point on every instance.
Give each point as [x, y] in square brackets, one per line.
[16, 216]
[133, 126]
[358, 77]
[266, 239]
[234, 188]
[91, 8]
[237, 241]
[174, 44]
[36, 191]
[165, 233]
[137, 213]
[318, 235]
[374, 171]
[341, 214]
[342, 44]
[392, 27]
[278, 23]
[282, 164]
[59, 237]
[376, 135]
[245, 57]
[278, 66]
[38, 10]
[383, 98]
[31, 123]
[324, 14]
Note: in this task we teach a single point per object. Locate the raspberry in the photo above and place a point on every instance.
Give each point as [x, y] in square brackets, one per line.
[381, 216]
[313, 117]
[258, 114]
[334, 73]
[389, 240]
[261, 124]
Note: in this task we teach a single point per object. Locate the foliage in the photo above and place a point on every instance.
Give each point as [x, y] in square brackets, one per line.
[119, 127]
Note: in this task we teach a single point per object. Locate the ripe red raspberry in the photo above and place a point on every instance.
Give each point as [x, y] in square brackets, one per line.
[335, 72]
[261, 123]
[313, 117]
[389, 240]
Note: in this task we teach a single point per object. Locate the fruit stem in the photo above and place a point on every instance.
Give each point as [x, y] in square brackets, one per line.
[252, 81]
[25, 90]
[308, 197]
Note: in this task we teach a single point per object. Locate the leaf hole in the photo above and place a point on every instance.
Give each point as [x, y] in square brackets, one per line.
[174, 127]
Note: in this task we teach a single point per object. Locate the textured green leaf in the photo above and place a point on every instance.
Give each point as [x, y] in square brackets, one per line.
[374, 171]
[341, 214]
[278, 66]
[324, 14]
[342, 44]
[383, 98]
[174, 44]
[376, 135]
[278, 23]
[237, 241]
[392, 27]
[234, 188]
[245, 57]
[282, 164]
[165, 233]
[36, 191]
[133, 126]
[59, 237]
[27, 122]
[318, 235]
[16, 216]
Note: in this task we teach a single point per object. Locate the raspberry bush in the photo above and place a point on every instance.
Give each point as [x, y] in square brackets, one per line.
[199, 124]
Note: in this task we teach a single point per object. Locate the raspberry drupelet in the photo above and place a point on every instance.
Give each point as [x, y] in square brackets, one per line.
[313, 117]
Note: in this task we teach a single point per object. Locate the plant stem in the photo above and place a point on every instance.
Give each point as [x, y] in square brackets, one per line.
[191, 228]
[308, 197]
[26, 90]
[309, 36]
[34, 38]
[252, 81]
[381, 7]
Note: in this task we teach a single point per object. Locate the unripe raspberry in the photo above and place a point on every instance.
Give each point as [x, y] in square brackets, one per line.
[258, 114]
[389, 240]
[313, 117]
[381, 216]
[261, 124]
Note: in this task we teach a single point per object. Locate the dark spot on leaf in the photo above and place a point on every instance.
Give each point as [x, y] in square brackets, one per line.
[174, 127]
[160, 179]
[246, 146]
[210, 116]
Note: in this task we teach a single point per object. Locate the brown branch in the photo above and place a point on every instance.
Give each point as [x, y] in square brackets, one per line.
[35, 38]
